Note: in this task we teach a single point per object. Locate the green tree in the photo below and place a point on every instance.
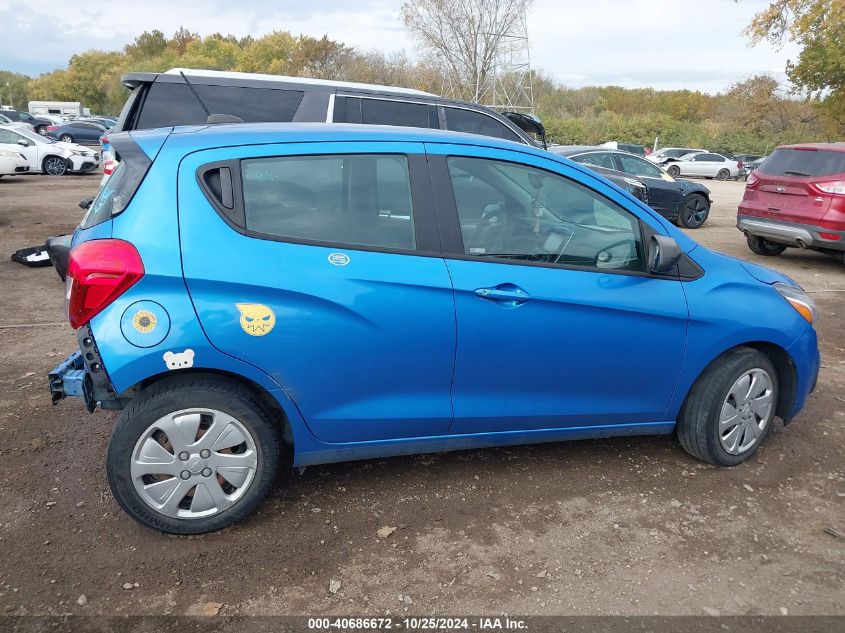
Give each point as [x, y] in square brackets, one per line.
[14, 89]
[818, 27]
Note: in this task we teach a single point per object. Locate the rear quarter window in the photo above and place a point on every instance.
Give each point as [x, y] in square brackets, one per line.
[799, 162]
[169, 104]
[460, 120]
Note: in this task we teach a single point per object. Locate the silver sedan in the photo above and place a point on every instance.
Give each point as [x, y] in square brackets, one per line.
[706, 165]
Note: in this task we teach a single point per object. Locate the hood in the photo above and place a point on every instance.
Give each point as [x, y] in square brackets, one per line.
[74, 147]
[766, 275]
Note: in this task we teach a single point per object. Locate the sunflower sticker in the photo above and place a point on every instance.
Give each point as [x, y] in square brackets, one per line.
[144, 321]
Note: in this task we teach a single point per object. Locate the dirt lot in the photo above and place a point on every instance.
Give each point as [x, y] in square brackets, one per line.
[623, 526]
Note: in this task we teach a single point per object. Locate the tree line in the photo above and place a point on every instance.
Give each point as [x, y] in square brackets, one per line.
[752, 116]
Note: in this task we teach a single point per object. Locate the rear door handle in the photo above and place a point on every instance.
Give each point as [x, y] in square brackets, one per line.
[507, 295]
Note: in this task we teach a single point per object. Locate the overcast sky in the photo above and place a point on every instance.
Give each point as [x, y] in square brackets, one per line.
[695, 44]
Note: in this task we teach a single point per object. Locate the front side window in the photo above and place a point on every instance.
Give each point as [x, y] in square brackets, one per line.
[357, 199]
[516, 212]
[471, 122]
[7, 136]
[384, 112]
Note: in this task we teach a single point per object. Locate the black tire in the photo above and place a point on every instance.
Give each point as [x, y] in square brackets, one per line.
[66, 138]
[695, 211]
[674, 171]
[42, 130]
[763, 247]
[723, 174]
[698, 422]
[54, 166]
[189, 392]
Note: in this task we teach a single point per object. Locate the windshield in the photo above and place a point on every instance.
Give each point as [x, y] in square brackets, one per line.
[34, 136]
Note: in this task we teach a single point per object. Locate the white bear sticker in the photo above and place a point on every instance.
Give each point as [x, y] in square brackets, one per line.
[182, 360]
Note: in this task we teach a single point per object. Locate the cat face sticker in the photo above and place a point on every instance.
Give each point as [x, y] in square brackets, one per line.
[256, 318]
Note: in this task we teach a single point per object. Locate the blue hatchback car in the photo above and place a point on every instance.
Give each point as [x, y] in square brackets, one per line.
[362, 292]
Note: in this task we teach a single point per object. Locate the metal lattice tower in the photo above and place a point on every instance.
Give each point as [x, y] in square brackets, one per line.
[510, 87]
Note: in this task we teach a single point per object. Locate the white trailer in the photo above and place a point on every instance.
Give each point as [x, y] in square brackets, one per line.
[65, 109]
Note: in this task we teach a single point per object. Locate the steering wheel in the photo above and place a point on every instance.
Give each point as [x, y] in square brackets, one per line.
[490, 232]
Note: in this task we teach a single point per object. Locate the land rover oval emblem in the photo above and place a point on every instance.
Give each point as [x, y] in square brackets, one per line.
[339, 259]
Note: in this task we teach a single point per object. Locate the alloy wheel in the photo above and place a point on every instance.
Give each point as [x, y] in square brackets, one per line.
[746, 411]
[193, 463]
[55, 166]
[695, 211]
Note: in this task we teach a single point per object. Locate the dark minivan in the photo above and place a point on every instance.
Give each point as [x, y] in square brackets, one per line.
[183, 96]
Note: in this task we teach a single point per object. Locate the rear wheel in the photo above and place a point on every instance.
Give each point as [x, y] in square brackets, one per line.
[695, 211]
[42, 130]
[723, 174]
[66, 138]
[193, 455]
[674, 171]
[54, 166]
[729, 411]
[764, 247]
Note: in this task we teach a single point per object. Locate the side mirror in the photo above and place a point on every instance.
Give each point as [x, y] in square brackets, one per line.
[23, 142]
[663, 254]
[86, 202]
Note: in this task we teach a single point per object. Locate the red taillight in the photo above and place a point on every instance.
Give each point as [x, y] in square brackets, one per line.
[836, 187]
[99, 272]
[752, 180]
[830, 236]
[740, 164]
[108, 167]
[52, 127]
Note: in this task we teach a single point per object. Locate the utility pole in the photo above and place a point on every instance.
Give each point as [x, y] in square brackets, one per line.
[9, 86]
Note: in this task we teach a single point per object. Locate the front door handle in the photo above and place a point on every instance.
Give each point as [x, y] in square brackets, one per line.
[507, 295]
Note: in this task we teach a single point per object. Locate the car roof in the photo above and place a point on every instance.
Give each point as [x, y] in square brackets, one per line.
[836, 147]
[305, 81]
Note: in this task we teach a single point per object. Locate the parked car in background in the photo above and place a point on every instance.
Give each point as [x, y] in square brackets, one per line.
[46, 156]
[682, 201]
[664, 153]
[754, 164]
[639, 150]
[5, 120]
[511, 296]
[704, 165]
[87, 132]
[632, 185]
[796, 198]
[165, 99]
[12, 162]
[104, 121]
[39, 124]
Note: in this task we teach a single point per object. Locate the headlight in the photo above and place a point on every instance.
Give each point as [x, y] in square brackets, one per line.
[798, 299]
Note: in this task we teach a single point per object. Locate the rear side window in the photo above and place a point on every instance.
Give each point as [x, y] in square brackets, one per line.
[357, 200]
[459, 120]
[799, 162]
[174, 104]
[597, 159]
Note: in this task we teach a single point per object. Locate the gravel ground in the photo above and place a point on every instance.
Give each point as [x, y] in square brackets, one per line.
[622, 526]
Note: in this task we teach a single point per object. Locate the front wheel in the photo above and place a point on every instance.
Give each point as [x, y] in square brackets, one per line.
[730, 408]
[763, 247]
[674, 171]
[695, 211]
[723, 174]
[193, 455]
[55, 166]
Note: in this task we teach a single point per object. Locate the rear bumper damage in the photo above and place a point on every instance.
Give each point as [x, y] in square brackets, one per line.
[83, 375]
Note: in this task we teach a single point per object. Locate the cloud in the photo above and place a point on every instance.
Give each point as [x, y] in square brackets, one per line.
[632, 43]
